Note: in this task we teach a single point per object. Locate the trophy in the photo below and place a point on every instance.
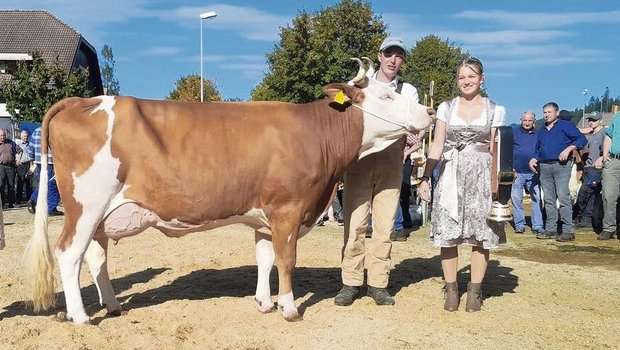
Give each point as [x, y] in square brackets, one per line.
[502, 175]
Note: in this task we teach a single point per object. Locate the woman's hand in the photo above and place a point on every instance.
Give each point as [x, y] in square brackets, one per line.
[424, 190]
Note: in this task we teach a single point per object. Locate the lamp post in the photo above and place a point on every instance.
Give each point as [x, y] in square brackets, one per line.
[204, 15]
[583, 117]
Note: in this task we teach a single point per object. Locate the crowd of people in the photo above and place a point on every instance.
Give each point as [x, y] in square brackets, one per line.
[20, 165]
[544, 161]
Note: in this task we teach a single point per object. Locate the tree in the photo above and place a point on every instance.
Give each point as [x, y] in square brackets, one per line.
[35, 87]
[110, 83]
[187, 88]
[433, 59]
[316, 50]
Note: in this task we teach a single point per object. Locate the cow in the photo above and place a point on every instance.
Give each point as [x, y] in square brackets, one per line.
[125, 164]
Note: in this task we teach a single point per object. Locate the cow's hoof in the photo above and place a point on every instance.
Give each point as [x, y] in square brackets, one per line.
[265, 307]
[116, 313]
[83, 319]
[293, 317]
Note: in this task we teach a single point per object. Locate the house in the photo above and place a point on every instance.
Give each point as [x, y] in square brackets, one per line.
[25, 31]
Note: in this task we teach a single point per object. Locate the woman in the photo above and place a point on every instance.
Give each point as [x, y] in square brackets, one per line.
[462, 198]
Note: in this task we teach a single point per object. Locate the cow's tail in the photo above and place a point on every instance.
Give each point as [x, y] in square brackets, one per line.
[38, 259]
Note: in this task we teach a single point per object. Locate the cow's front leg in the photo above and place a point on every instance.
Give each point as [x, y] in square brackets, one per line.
[264, 261]
[285, 248]
[97, 259]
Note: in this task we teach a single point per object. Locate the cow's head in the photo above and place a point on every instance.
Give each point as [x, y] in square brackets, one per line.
[387, 114]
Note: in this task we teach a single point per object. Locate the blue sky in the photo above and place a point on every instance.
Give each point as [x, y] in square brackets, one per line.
[534, 51]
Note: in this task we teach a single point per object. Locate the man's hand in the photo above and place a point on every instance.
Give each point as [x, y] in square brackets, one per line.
[534, 165]
[598, 163]
[565, 153]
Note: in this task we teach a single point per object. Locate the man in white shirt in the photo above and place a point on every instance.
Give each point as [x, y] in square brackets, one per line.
[374, 184]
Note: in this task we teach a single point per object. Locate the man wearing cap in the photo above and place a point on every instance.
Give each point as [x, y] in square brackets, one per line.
[592, 158]
[611, 177]
[374, 184]
[553, 162]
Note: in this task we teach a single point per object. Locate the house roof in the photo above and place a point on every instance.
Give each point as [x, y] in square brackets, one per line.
[25, 31]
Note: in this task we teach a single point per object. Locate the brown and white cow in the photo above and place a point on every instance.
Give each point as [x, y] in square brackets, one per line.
[124, 164]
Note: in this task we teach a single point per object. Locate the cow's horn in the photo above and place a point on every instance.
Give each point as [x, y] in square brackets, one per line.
[360, 73]
[371, 67]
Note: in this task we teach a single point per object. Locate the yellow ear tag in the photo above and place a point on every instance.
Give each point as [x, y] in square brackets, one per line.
[339, 97]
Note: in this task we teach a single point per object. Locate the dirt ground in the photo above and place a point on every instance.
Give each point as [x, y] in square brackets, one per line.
[197, 293]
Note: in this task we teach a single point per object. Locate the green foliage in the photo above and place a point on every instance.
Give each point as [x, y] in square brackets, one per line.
[187, 89]
[110, 83]
[35, 87]
[602, 103]
[316, 50]
[433, 59]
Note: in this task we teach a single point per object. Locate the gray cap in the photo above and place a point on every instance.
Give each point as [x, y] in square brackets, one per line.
[393, 41]
[595, 116]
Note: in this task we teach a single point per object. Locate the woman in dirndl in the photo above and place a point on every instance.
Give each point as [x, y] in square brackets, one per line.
[462, 196]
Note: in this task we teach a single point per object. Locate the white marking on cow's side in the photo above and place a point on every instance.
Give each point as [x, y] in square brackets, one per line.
[286, 303]
[94, 190]
[288, 239]
[264, 260]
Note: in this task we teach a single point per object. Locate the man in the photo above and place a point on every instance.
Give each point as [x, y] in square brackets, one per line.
[611, 177]
[23, 163]
[53, 197]
[374, 183]
[592, 158]
[553, 162]
[8, 150]
[524, 149]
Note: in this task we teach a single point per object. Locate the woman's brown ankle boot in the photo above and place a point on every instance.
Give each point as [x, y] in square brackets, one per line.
[451, 296]
[474, 297]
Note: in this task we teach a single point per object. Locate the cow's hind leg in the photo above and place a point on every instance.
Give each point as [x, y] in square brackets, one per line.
[97, 258]
[264, 260]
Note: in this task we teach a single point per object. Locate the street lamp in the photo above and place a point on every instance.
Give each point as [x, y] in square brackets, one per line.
[583, 117]
[204, 15]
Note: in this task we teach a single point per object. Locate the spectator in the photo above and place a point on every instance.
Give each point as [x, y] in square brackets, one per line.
[8, 151]
[523, 150]
[403, 218]
[23, 168]
[53, 197]
[464, 128]
[374, 183]
[611, 177]
[553, 163]
[592, 159]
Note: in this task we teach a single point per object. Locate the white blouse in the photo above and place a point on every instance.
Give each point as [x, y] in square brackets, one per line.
[455, 119]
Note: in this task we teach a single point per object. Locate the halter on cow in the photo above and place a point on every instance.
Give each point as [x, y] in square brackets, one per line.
[122, 166]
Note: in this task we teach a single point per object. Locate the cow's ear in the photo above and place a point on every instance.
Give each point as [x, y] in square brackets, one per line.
[351, 93]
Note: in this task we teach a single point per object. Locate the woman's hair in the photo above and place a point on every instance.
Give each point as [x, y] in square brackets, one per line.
[471, 62]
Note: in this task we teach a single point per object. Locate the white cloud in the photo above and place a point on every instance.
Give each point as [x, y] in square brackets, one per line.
[160, 51]
[542, 19]
[248, 22]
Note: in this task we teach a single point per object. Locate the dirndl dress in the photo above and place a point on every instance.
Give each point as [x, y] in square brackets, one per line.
[462, 197]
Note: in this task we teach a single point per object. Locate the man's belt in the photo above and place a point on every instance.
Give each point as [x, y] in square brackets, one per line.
[502, 174]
